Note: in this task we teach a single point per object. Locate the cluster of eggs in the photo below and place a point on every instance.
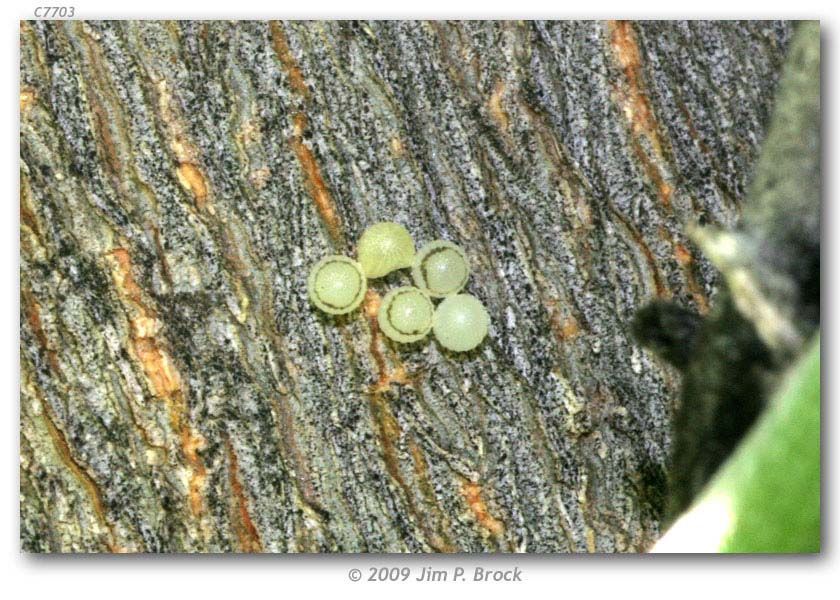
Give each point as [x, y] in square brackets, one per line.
[337, 285]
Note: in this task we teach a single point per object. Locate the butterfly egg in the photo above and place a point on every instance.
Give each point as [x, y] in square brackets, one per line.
[337, 285]
[406, 314]
[385, 247]
[441, 268]
[460, 322]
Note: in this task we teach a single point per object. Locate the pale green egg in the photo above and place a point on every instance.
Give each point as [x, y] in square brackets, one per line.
[460, 322]
[441, 268]
[385, 247]
[337, 285]
[405, 314]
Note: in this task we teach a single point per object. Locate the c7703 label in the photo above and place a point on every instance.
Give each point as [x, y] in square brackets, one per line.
[55, 12]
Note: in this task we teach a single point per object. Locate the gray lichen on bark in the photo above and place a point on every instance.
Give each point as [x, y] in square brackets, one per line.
[178, 392]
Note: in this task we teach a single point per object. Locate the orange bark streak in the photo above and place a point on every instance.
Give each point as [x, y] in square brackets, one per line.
[472, 494]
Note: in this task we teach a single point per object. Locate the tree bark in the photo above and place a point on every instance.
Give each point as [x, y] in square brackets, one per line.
[178, 179]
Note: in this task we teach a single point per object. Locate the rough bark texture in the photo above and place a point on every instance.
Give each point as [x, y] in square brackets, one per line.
[179, 393]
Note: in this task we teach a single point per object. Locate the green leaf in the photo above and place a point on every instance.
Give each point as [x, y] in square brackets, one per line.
[766, 497]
